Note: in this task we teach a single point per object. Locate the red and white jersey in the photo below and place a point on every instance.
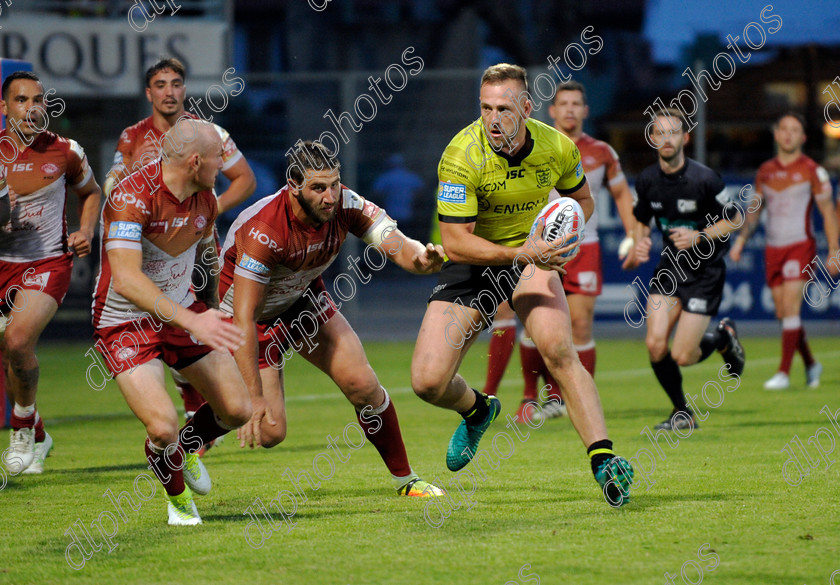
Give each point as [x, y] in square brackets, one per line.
[40, 175]
[789, 193]
[268, 244]
[600, 163]
[152, 220]
[141, 143]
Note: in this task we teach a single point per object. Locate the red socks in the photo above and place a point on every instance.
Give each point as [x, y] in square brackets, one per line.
[586, 354]
[382, 428]
[168, 465]
[805, 349]
[532, 366]
[791, 334]
[192, 399]
[502, 340]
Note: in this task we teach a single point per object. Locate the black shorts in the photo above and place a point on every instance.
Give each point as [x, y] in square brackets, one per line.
[483, 288]
[699, 292]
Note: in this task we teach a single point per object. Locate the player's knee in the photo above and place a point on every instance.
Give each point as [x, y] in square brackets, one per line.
[581, 330]
[360, 388]
[559, 357]
[683, 357]
[657, 348]
[427, 386]
[18, 346]
[163, 431]
[271, 436]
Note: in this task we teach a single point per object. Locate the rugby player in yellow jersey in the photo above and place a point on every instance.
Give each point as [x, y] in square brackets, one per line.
[495, 176]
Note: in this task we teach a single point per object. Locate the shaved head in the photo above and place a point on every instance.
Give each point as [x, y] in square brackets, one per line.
[190, 137]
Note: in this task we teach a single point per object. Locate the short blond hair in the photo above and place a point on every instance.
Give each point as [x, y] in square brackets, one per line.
[503, 72]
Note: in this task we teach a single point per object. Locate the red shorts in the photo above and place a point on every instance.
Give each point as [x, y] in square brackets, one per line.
[583, 273]
[295, 327]
[786, 263]
[134, 343]
[50, 276]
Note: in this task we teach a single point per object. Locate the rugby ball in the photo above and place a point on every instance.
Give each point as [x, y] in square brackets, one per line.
[562, 216]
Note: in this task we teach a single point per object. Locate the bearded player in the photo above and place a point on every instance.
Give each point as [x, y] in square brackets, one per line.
[271, 284]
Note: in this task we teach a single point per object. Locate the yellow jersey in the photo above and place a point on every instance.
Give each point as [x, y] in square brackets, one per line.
[502, 194]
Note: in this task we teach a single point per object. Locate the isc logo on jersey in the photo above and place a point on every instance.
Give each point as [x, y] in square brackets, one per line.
[249, 263]
[125, 230]
[452, 193]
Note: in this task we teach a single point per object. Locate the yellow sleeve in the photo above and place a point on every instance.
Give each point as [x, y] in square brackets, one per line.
[456, 198]
[572, 169]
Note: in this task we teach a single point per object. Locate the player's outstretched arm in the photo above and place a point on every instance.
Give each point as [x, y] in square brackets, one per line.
[411, 255]
[243, 183]
[129, 281]
[89, 196]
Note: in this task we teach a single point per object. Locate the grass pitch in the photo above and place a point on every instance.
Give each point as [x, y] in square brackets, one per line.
[717, 506]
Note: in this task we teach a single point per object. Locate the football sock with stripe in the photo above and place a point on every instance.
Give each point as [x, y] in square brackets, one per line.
[598, 452]
[478, 411]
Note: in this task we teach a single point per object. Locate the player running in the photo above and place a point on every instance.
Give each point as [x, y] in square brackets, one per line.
[583, 279]
[141, 143]
[145, 315]
[680, 193]
[787, 187]
[271, 284]
[36, 252]
[495, 176]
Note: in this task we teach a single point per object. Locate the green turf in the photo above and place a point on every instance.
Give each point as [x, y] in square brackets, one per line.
[722, 486]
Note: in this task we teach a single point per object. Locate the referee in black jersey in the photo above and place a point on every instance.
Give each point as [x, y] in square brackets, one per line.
[688, 202]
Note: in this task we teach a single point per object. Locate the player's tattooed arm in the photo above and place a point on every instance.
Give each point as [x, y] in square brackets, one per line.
[129, 281]
[5, 210]
[206, 260]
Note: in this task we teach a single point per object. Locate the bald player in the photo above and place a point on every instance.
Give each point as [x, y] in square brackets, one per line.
[146, 316]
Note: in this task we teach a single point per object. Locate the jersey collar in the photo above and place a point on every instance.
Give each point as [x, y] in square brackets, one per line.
[522, 153]
[679, 174]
